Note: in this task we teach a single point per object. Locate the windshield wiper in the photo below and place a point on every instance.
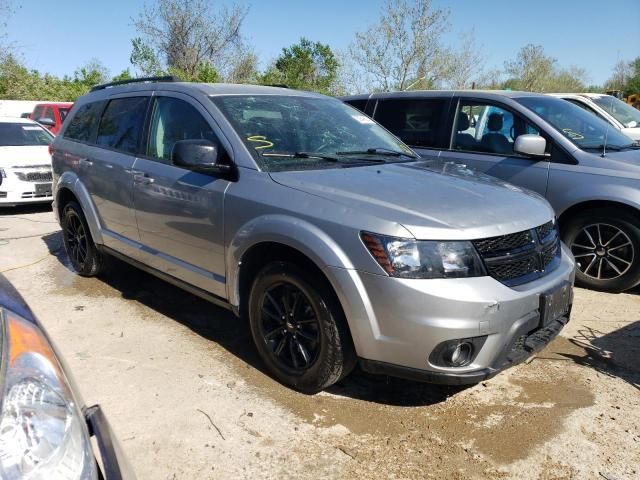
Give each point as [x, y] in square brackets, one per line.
[313, 156]
[377, 151]
[616, 148]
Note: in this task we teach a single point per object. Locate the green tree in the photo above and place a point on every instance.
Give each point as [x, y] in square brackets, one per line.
[306, 65]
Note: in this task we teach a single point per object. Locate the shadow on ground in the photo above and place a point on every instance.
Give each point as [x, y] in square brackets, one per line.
[221, 326]
[25, 209]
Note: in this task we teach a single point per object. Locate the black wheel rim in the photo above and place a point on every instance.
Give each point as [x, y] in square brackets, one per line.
[77, 241]
[290, 327]
[603, 251]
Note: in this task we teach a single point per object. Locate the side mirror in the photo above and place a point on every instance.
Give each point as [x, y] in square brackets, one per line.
[531, 146]
[201, 156]
[47, 122]
[632, 124]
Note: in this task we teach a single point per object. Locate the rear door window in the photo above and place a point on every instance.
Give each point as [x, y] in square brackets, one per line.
[83, 125]
[359, 104]
[417, 122]
[48, 113]
[121, 124]
[37, 113]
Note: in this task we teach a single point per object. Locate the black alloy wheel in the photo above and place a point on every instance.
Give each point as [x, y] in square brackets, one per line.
[289, 326]
[81, 250]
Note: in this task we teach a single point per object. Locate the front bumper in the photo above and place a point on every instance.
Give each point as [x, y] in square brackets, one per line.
[397, 323]
[113, 463]
[17, 192]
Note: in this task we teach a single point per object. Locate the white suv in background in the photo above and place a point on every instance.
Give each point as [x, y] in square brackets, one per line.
[25, 162]
[619, 114]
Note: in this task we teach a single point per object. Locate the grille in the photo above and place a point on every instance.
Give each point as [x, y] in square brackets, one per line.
[504, 242]
[543, 231]
[35, 176]
[3, 194]
[523, 256]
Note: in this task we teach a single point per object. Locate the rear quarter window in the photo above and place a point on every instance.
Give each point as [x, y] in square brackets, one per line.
[83, 123]
[359, 104]
[417, 122]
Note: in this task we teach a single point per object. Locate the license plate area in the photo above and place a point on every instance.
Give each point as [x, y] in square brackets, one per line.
[555, 303]
[43, 189]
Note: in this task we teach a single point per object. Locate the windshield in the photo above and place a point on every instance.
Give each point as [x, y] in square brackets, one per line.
[286, 132]
[584, 129]
[23, 135]
[63, 113]
[619, 110]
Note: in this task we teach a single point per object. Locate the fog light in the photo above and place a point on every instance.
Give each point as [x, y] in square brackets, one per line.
[457, 353]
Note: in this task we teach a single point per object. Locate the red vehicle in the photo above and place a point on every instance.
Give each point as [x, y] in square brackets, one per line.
[51, 115]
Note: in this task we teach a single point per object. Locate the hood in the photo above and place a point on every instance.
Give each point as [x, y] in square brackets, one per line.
[31, 156]
[623, 164]
[432, 199]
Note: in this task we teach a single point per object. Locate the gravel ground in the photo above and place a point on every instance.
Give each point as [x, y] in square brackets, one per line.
[185, 391]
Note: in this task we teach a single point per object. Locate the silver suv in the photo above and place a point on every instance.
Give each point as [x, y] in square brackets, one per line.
[587, 169]
[304, 216]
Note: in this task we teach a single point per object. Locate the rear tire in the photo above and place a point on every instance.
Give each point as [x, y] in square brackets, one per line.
[299, 328]
[78, 243]
[606, 244]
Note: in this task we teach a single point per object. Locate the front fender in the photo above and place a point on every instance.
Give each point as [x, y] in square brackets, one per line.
[609, 192]
[71, 182]
[303, 236]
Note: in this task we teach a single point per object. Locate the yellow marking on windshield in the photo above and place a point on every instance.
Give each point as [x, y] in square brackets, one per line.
[260, 139]
[573, 135]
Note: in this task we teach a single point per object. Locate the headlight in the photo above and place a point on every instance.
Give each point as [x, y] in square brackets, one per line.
[3, 174]
[42, 431]
[409, 258]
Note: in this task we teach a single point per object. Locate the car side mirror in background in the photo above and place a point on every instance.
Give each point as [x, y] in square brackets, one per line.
[47, 122]
[632, 124]
[531, 146]
[201, 156]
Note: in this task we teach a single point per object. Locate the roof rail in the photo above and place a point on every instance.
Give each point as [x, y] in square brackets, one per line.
[278, 85]
[166, 78]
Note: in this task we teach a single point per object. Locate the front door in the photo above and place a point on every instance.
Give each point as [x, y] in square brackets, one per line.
[180, 212]
[483, 139]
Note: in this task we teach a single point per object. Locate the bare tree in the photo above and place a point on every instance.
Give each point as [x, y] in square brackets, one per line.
[464, 65]
[622, 72]
[402, 50]
[531, 69]
[185, 34]
[6, 11]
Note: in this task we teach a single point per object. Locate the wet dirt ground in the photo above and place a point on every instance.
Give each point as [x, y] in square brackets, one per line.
[186, 393]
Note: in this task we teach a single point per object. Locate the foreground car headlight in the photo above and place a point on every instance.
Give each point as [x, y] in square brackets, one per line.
[409, 258]
[42, 431]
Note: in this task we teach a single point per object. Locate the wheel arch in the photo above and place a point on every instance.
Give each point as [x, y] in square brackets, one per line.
[584, 206]
[69, 188]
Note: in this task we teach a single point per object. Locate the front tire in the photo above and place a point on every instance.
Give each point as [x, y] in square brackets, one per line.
[78, 243]
[299, 328]
[606, 245]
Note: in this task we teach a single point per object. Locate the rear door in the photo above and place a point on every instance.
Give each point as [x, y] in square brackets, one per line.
[419, 122]
[180, 212]
[484, 137]
[108, 165]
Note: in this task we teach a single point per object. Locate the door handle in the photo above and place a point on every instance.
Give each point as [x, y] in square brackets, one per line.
[142, 178]
[86, 162]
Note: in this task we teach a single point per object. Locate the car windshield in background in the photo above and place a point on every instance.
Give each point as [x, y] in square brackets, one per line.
[584, 129]
[23, 135]
[619, 110]
[63, 113]
[297, 132]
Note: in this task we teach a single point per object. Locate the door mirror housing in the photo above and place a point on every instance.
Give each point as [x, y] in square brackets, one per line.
[202, 156]
[531, 145]
[47, 122]
[632, 124]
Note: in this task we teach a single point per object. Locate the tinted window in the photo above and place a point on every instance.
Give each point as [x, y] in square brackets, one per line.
[48, 113]
[359, 104]
[84, 122]
[483, 127]
[417, 122]
[121, 124]
[23, 134]
[174, 120]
